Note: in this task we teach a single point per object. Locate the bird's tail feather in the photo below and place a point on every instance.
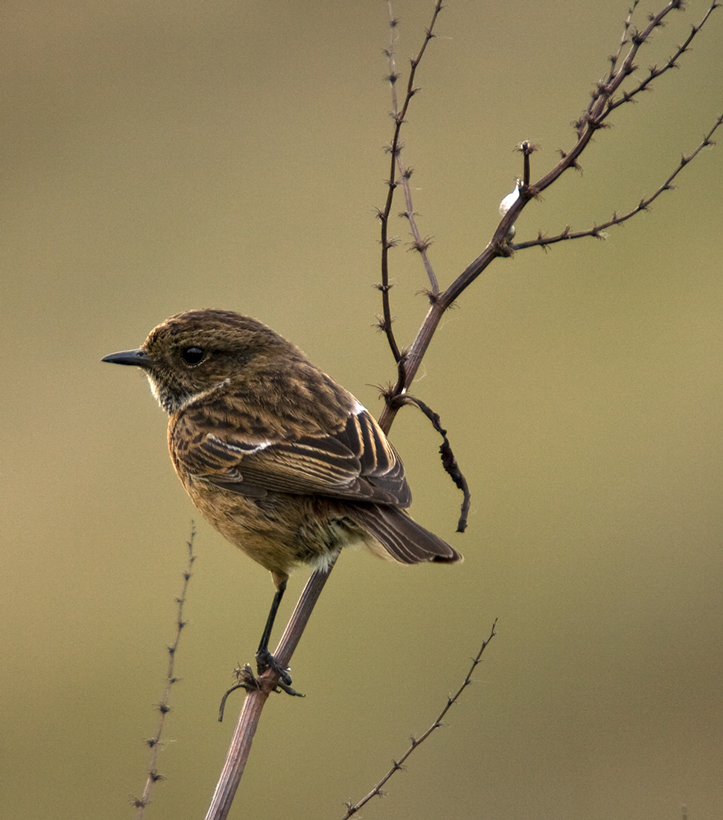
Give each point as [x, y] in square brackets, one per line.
[401, 537]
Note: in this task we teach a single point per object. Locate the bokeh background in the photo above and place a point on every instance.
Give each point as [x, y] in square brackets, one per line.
[162, 156]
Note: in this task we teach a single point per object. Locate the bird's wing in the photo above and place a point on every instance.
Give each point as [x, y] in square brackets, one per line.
[354, 463]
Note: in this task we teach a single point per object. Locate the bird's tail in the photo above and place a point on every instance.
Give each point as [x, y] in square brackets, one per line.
[401, 537]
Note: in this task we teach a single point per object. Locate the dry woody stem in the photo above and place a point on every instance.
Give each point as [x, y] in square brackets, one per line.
[398, 765]
[155, 743]
[607, 96]
[618, 88]
[256, 698]
[394, 149]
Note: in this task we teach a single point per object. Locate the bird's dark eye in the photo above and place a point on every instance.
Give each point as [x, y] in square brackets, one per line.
[193, 355]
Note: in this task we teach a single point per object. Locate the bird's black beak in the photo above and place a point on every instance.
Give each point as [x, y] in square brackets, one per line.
[139, 358]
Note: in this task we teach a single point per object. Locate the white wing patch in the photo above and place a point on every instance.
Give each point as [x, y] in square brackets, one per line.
[358, 408]
[241, 448]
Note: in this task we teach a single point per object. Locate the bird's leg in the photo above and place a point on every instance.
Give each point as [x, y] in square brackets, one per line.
[264, 658]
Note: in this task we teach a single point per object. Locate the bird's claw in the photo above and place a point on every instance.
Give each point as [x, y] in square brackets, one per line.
[289, 690]
[265, 660]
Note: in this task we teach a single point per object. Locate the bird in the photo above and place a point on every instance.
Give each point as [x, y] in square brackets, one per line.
[277, 456]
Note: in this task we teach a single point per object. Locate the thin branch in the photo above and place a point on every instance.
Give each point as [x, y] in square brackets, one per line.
[618, 74]
[448, 459]
[624, 40]
[597, 231]
[500, 244]
[256, 698]
[394, 150]
[419, 243]
[592, 120]
[405, 173]
[398, 765]
[164, 708]
[654, 72]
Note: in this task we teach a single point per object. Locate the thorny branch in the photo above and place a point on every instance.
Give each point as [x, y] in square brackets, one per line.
[419, 244]
[598, 231]
[624, 39]
[603, 101]
[394, 148]
[398, 765]
[155, 744]
[654, 71]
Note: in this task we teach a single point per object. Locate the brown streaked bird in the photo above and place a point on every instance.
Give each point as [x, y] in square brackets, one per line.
[285, 463]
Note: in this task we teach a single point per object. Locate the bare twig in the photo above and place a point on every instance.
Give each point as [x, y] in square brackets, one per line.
[398, 765]
[624, 40]
[597, 231]
[448, 460]
[592, 120]
[155, 743]
[418, 244]
[394, 149]
[654, 72]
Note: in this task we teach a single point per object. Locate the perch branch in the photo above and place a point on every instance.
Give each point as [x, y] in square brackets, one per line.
[256, 698]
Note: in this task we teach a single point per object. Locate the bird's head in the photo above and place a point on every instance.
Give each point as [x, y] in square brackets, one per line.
[194, 353]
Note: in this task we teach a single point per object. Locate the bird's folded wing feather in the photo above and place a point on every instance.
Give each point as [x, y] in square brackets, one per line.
[354, 463]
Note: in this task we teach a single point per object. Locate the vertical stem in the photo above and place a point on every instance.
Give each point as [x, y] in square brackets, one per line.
[237, 756]
[240, 747]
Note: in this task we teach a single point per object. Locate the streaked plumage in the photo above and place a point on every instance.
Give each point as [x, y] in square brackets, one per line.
[277, 456]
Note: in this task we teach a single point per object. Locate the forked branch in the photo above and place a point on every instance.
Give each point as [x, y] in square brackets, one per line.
[607, 96]
[603, 101]
[598, 231]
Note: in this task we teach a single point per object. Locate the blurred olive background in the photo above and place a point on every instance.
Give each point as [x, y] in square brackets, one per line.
[162, 156]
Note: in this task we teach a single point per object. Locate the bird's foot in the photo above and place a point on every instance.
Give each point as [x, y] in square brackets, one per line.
[248, 681]
[265, 660]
